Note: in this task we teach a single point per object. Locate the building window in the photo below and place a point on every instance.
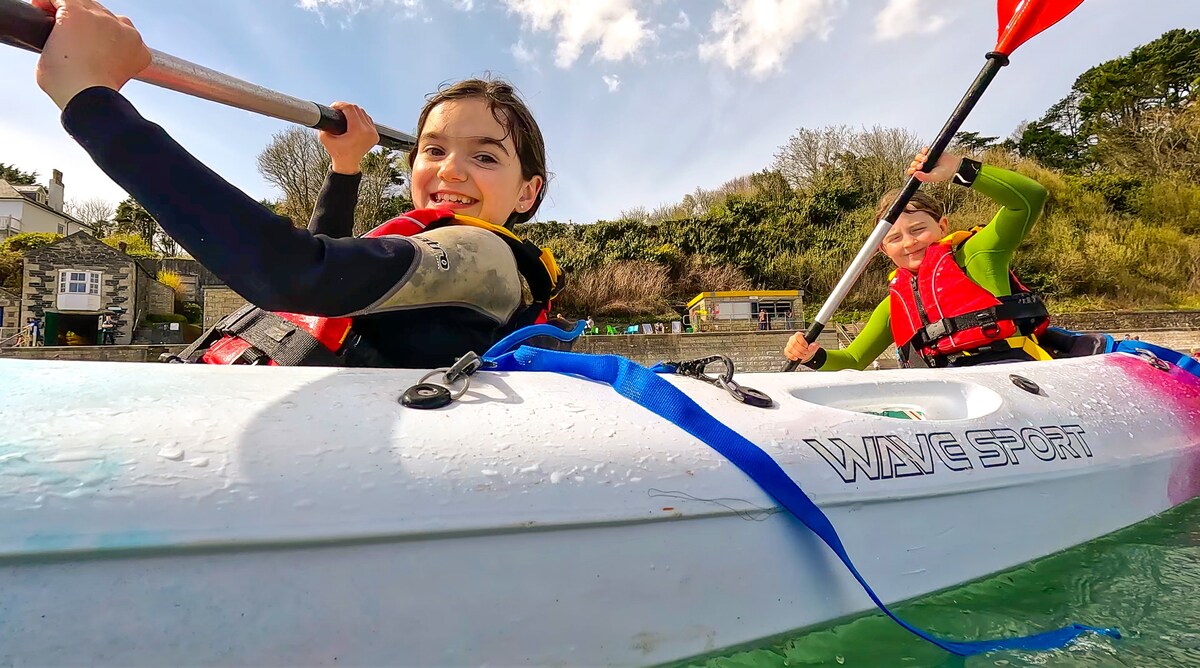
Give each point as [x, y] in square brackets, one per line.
[75, 282]
[62, 229]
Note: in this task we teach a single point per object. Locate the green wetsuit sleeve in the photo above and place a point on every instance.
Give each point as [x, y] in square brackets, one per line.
[870, 343]
[986, 256]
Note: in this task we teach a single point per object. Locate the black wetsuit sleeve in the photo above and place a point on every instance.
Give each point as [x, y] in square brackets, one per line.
[259, 254]
[333, 215]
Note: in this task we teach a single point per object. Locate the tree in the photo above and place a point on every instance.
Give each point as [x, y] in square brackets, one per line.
[637, 214]
[873, 158]
[96, 212]
[17, 177]
[1041, 142]
[131, 218]
[295, 162]
[810, 151]
[1161, 73]
[973, 142]
[383, 192]
[882, 156]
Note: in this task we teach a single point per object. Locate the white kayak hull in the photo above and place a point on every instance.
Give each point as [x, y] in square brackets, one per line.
[177, 514]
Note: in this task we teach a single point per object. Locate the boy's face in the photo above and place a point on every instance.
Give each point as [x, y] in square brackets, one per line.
[906, 242]
[467, 163]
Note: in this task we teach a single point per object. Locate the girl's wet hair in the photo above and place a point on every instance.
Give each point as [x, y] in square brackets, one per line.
[513, 115]
[921, 201]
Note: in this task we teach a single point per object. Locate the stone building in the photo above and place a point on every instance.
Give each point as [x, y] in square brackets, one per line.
[10, 314]
[219, 301]
[70, 283]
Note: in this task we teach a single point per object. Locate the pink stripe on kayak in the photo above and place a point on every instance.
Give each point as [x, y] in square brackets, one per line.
[1179, 391]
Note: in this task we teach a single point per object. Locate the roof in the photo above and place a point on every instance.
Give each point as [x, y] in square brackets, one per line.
[86, 238]
[743, 293]
[8, 191]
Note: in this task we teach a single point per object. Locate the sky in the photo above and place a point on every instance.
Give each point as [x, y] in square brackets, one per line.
[640, 101]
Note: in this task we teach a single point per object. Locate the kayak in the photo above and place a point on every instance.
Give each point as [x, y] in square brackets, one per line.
[190, 514]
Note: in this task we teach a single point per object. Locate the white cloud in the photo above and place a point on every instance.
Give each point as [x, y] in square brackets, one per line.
[411, 8]
[901, 18]
[464, 5]
[759, 34]
[682, 23]
[522, 54]
[614, 26]
[612, 81]
[313, 5]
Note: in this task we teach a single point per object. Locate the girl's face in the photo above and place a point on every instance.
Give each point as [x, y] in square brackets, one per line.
[467, 163]
[906, 242]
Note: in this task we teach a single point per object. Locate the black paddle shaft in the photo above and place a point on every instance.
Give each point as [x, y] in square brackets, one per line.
[995, 61]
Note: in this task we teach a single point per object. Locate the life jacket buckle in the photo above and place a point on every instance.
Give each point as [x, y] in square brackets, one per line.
[935, 331]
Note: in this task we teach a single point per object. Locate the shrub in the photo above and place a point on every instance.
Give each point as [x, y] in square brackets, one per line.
[1173, 203]
[193, 311]
[171, 280]
[27, 241]
[621, 289]
[10, 270]
[135, 246]
[165, 317]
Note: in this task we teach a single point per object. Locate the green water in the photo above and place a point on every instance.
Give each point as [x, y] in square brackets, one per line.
[1144, 580]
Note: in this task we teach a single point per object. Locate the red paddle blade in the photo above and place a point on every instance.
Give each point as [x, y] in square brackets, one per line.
[1022, 19]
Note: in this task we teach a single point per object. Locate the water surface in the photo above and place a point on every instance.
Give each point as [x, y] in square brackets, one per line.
[1145, 580]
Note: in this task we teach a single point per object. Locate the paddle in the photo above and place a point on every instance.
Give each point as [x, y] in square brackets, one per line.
[24, 26]
[1019, 20]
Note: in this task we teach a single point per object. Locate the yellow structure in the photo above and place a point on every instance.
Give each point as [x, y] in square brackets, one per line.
[740, 309]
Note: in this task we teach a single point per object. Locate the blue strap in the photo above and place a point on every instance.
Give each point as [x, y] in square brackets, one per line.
[638, 383]
[525, 333]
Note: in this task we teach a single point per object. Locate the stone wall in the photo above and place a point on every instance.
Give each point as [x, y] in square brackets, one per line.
[763, 351]
[39, 287]
[1128, 321]
[182, 266]
[92, 353]
[160, 297]
[189, 288]
[10, 314]
[219, 301]
[749, 351]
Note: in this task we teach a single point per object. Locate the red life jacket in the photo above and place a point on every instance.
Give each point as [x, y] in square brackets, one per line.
[940, 311]
[251, 335]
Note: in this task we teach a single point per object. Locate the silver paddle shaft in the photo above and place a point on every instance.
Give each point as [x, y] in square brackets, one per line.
[853, 272]
[183, 76]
